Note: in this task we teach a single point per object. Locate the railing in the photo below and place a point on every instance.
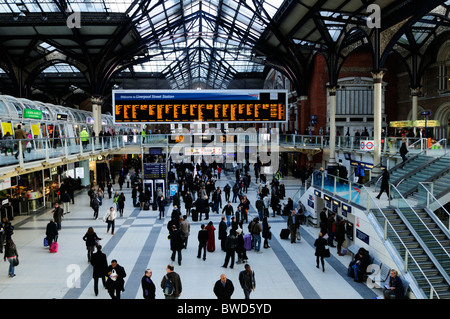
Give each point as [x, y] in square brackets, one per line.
[360, 195]
[426, 151]
[427, 199]
[419, 227]
[391, 236]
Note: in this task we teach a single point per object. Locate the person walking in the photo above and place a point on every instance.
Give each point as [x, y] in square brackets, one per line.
[110, 219]
[51, 232]
[403, 152]
[222, 233]
[57, 215]
[185, 228]
[176, 243]
[99, 268]
[256, 230]
[228, 211]
[321, 251]
[121, 204]
[384, 184]
[161, 204]
[91, 240]
[202, 240]
[65, 198]
[12, 256]
[230, 247]
[247, 280]
[223, 288]
[266, 233]
[211, 244]
[115, 282]
[20, 134]
[171, 283]
[148, 287]
[95, 205]
[293, 224]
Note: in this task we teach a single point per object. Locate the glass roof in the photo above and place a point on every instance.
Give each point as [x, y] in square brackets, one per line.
[189, 41]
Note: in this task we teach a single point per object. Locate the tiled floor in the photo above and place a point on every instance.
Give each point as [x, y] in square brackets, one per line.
[284, 271]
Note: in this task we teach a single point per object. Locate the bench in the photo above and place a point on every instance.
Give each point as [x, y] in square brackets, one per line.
[353, 249]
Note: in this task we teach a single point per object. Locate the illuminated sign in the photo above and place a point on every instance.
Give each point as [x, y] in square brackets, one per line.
[191, 106]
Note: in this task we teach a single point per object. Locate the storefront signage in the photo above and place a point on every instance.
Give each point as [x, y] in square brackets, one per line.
[317, 193]
[32, 114]
[364, 165]
[327, 198]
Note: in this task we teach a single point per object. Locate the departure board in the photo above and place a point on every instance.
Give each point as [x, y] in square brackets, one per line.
[189, 106]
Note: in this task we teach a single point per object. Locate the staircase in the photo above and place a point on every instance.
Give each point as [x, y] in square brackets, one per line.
[422, 248]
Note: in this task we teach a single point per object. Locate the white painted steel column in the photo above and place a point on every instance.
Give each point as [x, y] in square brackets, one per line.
[377, 110]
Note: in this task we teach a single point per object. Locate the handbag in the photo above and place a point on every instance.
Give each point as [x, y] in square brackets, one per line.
[16, 261]
[326, 252]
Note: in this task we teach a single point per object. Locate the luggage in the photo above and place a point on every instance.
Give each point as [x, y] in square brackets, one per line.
[155, 206]
[284, 234]
[45, 242]
[194, 215]
[53, 247]
[146, 206]
[248, 242]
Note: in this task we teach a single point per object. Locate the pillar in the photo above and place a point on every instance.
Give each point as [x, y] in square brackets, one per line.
[415, 103]
[332, 96]
[97, 113]
[377, 110]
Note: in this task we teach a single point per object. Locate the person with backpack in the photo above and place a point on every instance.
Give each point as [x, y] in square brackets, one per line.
[171, 283]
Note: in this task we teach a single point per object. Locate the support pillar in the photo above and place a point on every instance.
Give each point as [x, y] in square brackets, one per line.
[415, 103]
[97, 113]
[332, 95]
[377, 110]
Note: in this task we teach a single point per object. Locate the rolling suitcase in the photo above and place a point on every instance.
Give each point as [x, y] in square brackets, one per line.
[248, 242]
[194, 215]
[53, 247]
[146, 206]
[284, 234]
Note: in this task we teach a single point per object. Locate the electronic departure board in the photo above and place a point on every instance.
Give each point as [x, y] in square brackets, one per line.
[189, 106]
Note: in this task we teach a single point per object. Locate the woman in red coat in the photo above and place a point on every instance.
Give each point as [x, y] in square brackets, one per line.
[210, 244]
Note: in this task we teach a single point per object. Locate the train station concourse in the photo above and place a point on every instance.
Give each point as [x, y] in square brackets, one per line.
[268, 152]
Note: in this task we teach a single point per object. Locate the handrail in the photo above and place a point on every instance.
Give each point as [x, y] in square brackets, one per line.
[407, 161]
[444, 274]
[387, 222]
[436, 201]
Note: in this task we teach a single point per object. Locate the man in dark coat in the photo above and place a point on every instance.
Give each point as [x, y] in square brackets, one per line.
[384, 184]
[52, 232]
[115, 283]
[176, 243]
[293, 224]
[222, 233]
[100, 267]
[223, 288]
[148, 287]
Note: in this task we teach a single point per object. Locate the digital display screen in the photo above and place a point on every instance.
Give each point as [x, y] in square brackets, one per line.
[190, 106]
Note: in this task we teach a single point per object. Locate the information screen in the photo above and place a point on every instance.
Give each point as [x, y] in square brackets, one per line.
[189, 106]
